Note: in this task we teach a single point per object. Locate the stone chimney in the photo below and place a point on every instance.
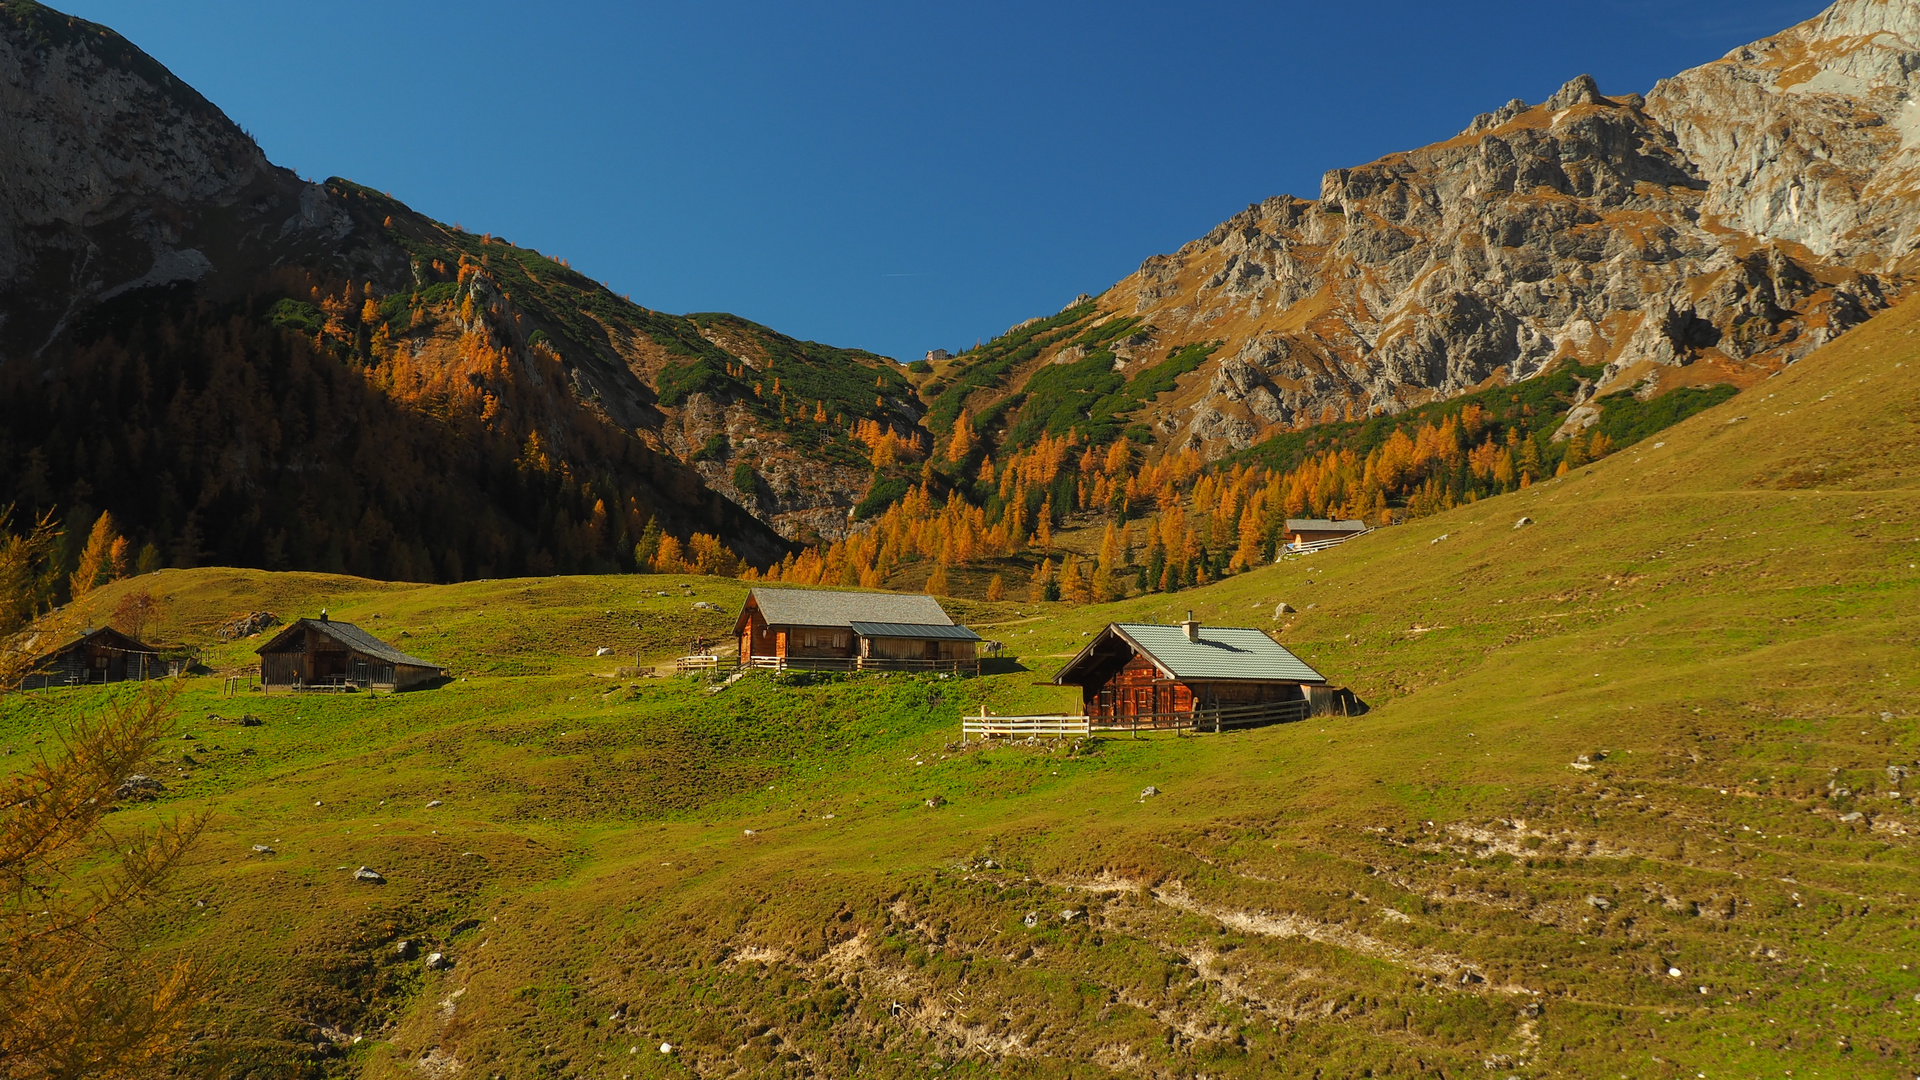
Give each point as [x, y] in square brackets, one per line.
[1191, 627]
[323, 615]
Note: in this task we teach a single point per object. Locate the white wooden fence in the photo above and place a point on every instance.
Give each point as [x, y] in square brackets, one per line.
[1318, 545]
[987, 726]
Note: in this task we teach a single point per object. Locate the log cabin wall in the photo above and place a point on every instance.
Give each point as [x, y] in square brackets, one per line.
[759, 639]
[818, 641]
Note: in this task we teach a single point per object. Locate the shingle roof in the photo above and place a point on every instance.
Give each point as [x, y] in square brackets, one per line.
[354, 638]
[113, 639]
[914, 631]
[1324, 525]
[821, 607]
[1223, 653]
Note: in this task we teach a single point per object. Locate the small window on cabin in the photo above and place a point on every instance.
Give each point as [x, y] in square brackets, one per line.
[839, 639]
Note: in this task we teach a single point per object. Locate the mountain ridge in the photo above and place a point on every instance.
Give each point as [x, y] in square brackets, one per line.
[1635, 231]
[131, 200]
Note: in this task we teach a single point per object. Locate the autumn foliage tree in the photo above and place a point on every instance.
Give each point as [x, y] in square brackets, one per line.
[105, 558]
[78, 999]
[29, 572]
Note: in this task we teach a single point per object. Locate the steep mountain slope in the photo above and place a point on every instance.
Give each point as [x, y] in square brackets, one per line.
[301, 374]
[1728, 223]
[1635, 797]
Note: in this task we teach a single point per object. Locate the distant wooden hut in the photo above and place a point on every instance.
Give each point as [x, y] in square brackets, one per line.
[1316, 533]
[103, 656]
[829, 630]
[324, 654]
[1153, 676]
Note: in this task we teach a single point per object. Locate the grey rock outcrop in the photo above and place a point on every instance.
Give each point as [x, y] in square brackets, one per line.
[1731, 221]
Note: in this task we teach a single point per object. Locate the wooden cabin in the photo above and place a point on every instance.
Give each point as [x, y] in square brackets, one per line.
[826, 629]
[323, 654]
[1303, 531]
[103, 656]
[1148, 675]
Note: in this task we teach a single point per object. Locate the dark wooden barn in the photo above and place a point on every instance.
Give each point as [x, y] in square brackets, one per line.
[825, 629]
[322, 654]
[1147, 675]
[102, 656]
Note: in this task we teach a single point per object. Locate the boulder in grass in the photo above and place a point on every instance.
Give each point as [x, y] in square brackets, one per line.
[371, 877]
[438, 962]
[139, 787]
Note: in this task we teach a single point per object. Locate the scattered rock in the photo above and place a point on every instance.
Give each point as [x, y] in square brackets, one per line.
[262, 849]
[372, 877]
[1070, 915]
[188, 736]
[1283, 608]
[438, 962]
[1523, 523]
[749, 832]
[1854, 816]
[1439, 538]
[1032, 920]
[244, 626]
[703, 605]
[1896, 773]
[666, 1048]
[431, 803]
[139, 787]
[251, 720]
[603, 651]
[1599, 903]
[1673, 973]
[936, 802]
[405, 950]
[1149, 791]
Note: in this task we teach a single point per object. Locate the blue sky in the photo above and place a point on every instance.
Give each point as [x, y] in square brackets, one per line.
[893, 176]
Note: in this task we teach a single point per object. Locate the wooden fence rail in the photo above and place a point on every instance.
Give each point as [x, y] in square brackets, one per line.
[1022, 727]
[1213, 719]
[861, 663]
[1317, 545]
[1209, 718]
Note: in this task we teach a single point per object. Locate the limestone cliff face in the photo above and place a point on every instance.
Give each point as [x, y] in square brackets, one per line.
[1812, 136]
[1731, 221]
[119, 176]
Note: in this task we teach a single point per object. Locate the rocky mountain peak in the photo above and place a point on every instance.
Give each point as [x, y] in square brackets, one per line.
[1727, 223]
[1580, 90]
[1812, 136]
[1850, 20]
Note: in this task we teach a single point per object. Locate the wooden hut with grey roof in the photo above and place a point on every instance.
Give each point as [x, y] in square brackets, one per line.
[1142, 675]
[324, 654]
[830, 630]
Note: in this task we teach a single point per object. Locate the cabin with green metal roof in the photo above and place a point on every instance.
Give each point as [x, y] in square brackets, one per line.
[1149, 675]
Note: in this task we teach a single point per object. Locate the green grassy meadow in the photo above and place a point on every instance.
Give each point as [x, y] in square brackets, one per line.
[1632, 800]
